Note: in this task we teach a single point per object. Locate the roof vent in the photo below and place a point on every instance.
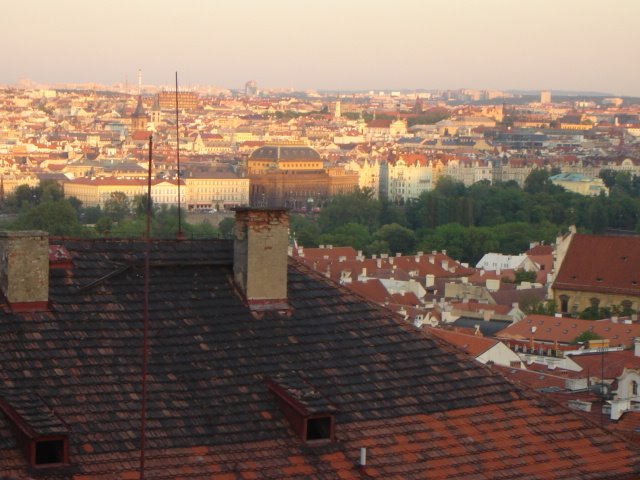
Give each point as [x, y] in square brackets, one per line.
[311, 416]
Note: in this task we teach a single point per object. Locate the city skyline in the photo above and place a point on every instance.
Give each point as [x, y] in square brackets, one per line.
[491, 45]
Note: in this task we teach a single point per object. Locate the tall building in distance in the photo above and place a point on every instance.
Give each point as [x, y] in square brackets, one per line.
[545, 96]
[186, 100]
[251, 88]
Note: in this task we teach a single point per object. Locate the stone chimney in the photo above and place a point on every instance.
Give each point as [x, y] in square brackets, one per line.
[24, 269]
[260, 257]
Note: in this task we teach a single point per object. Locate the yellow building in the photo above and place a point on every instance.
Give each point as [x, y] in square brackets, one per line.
[94, 192]
[216, 190]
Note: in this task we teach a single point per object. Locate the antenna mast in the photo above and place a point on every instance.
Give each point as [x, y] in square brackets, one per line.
[180, 235]
[145, 334]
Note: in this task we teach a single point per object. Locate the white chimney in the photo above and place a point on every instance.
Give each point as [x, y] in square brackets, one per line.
[636, 346]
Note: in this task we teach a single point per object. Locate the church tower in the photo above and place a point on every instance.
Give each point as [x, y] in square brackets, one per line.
[139, 117]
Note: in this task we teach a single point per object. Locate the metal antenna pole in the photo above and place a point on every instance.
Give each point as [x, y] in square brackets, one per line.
[178, 161]
[145, 334]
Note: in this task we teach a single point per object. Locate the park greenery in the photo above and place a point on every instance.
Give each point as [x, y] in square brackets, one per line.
[466, 221]
[44, 207]
[471, 221]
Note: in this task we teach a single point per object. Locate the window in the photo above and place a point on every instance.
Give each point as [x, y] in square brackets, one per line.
[634, 388]
[319, 428]
[564, 303]
[49, 452]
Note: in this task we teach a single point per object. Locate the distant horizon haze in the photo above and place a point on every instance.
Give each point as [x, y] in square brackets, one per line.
[571, 45]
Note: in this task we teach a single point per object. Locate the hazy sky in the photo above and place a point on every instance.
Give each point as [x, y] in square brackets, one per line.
[327, 44]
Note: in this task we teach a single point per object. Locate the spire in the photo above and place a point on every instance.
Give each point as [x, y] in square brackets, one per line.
[139, 109]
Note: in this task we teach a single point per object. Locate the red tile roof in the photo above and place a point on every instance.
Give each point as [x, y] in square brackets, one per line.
[610, 366]
[564, 330]
[472, 344]
[422, 409]
[604, 264]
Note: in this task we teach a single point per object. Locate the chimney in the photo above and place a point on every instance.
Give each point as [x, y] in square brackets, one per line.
[24, 269]
[430, 280]
[636, 347]
[259, 256]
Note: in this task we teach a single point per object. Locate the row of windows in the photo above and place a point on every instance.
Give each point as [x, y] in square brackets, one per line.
[218, 190]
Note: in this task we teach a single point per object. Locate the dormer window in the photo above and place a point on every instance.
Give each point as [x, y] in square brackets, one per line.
[50, 451]
[309, 413]
[42, 436]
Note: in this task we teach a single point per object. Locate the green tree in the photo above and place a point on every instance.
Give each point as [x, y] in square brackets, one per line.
[90, 215]
[541, 308]
[49, 191]
[525, 276]
[351, 234]
[226, 226]
[139, 205]
[355, 208]
[598, 216]
[103, 226]
[399, 238]
[58, 218]
[595, 313]
[451, 237]
[585, 337]
[117, 206]
[377, 247]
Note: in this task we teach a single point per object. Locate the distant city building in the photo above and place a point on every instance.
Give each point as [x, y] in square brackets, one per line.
[579, 183]
[139, 118]
[295, 176]
[216, 190]
[95, 192]
[545, 97]
[186, 100]
[251, 88]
